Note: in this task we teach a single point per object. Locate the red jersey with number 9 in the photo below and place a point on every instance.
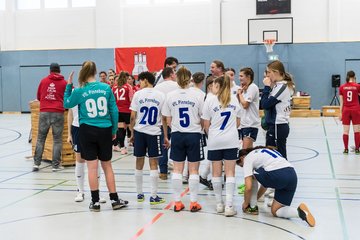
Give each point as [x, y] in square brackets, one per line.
[123, 96]
[350, 93]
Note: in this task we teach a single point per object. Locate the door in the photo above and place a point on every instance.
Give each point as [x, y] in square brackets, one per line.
[30, 77]
[351, 64]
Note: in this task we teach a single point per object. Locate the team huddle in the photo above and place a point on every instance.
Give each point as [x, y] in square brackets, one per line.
[172, 113]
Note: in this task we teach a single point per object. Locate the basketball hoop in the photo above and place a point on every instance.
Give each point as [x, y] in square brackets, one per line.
[269, 43]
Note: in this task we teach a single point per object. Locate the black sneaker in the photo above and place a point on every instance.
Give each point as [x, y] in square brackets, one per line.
[357, 151]
[205, 182]
[94, 207]
[346, 151]
[305, 214]
[118, 204]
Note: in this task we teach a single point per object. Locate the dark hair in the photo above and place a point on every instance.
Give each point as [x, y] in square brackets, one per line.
[209, 80]
[198, 77]
[279, 66]
[122, 78]
[170, 60]
[219, 64]
[248, 72]
[246, 151]
[102, 73]
[55, 67]
[230, 69]
[166, 73]
[112, 70]
[350, 74]
[148, 76]
[88, 70]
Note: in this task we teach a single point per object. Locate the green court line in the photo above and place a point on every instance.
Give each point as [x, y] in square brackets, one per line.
[43, 190]
[340, 208]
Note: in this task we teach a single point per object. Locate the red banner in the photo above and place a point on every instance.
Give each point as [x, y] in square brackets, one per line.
[137, 60]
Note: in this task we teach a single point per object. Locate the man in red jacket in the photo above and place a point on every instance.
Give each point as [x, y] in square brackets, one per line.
[51, 96]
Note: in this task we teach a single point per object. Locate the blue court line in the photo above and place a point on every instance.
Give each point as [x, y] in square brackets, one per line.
[300, 160]
[341, 212]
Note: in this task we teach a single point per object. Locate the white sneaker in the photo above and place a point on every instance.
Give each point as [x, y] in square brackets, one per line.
[230, 211]
[352, 148]
[271, 195]
[116, 148]
[57, 169]
[102, 200]
[270, 202]
[79, 197]
[220, 208]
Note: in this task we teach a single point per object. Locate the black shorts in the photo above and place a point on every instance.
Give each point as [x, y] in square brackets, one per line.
[124, 117]
[223, 154]
[96, 143]
[248, 132]
[145, 143]
[186, 146]
[75, 139]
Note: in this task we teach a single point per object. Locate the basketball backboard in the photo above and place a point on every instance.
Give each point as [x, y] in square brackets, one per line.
[280, 29]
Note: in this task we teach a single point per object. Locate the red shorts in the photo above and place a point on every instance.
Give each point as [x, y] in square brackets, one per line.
[350, 115]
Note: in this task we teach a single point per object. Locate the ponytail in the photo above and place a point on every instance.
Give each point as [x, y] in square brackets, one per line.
[224, 94]
[88, 70]
[183, 77]
[122, 78]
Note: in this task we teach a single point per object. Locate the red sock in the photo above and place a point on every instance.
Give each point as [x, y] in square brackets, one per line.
[357, 140]
[346, 141]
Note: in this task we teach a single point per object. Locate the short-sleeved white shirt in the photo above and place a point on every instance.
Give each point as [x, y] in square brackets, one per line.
[268, 159]
[234, 89]
[283, 108]
[75, 112]
[250, 116]
[184, 106]
[167, 86]
[223, 132]
[147, 103]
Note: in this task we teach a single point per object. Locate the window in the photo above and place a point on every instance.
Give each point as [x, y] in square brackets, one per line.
[83, 3]
[2, 5]
[166, 1]
[137, 2]
[28, 4]
[56, 3]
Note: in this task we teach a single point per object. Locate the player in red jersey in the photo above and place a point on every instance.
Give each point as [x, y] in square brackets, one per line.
[350, 110]
[123, 94]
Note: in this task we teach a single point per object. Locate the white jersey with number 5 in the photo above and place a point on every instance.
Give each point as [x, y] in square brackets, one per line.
[223, 133]
[147, 103]
[184, 106]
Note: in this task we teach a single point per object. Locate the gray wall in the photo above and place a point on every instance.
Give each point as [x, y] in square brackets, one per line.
[311, 64]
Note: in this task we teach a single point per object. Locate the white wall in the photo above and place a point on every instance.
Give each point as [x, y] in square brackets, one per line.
[113, 23]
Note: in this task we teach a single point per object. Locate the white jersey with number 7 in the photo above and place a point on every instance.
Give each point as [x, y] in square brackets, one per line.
[223, 133]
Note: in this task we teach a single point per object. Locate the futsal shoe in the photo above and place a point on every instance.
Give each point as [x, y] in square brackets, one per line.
[220, 208]
[252, 210]
[357, 151]
[36, 168]
[140, 197]
[206, 183]
[116, 148]
[123, 151]
[178, 206]
[241, 189]
[79, 197]
[102, 200]
[305, 214]
[195, 207]
[118, 204]
[230, 211]
[94, 207]
[346, 151]
[163, 176]
[156, 200]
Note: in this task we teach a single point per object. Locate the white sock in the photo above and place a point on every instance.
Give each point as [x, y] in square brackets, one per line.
[194, 187]
[154, 175]
[287, 212]
[254, 190]
[205, 169]
[80, 176]
[230, 186]
[139, 181]
[186, 169]
[177, 185]
[217, 185]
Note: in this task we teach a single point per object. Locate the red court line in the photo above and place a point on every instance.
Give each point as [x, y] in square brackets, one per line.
[142, 230]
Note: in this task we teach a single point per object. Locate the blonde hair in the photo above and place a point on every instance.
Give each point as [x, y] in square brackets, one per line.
[87, 71]
[122, 78]
[224, 93]
[279, 67]
[183, 77]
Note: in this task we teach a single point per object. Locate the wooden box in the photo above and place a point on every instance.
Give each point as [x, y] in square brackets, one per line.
[67, 153]
[331, 111]
[301, 102]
